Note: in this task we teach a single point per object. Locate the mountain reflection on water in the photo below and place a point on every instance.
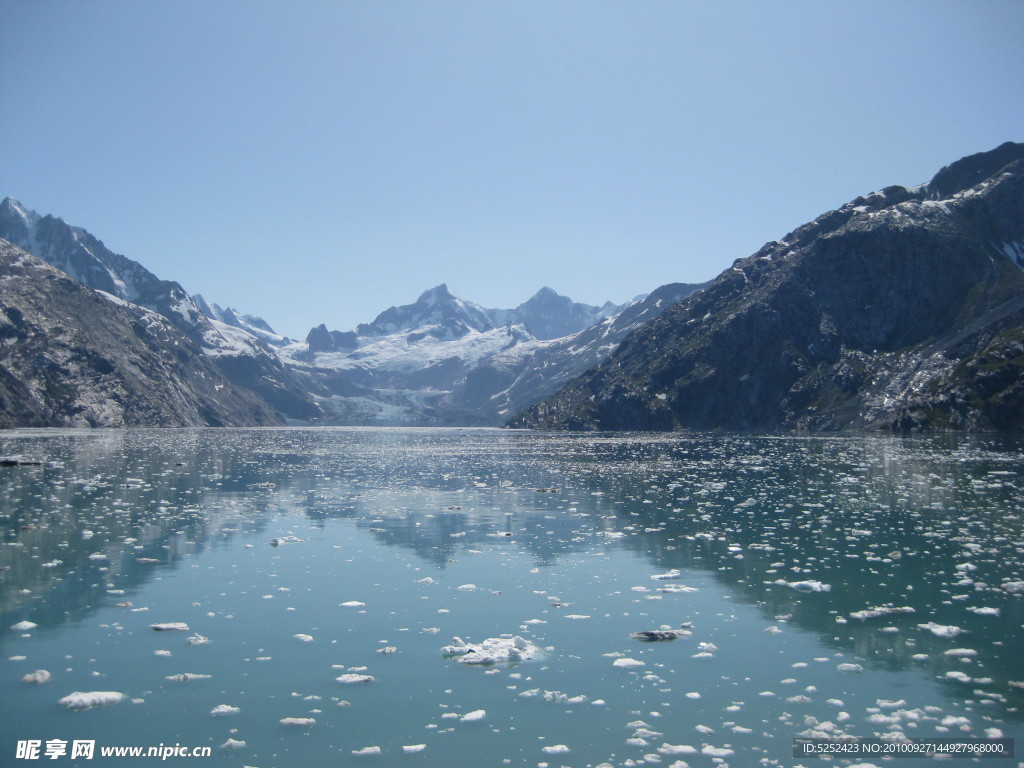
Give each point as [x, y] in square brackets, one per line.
[858, 539]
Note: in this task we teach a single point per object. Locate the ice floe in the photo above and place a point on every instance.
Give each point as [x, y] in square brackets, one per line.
[39, 676]
[351, 678]
[90, 699]
[942, 630]
[493, 650]
[300, 722]
[170, 626]
[24, 626]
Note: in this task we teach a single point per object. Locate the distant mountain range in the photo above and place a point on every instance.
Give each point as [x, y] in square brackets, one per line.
[902, 310]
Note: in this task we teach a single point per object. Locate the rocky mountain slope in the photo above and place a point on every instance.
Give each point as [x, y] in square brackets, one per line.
[73, 356]
[902, 310]
[242, 355]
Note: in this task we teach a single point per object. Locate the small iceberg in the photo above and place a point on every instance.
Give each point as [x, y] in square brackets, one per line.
[185, 677]
[300, 722]
[198, 639]
[675, 573]
[476, 714]
[664, 633]
[39, 676]
[413, 748]
[24, 626]
[224, 709]
[80, 700]
[351, 678]
[170, 626]
[627, 662]
[808, 585]
[493, 650]
[366, 751]
[233, 744]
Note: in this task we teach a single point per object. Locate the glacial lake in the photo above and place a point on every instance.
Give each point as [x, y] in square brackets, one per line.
[834, 585]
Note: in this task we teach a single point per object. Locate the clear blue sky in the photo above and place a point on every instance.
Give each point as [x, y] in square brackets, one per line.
[315, 161]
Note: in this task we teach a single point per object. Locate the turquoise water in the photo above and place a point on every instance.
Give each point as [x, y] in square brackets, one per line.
[807, 566]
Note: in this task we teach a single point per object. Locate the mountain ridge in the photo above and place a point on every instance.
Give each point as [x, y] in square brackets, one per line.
[900, 310]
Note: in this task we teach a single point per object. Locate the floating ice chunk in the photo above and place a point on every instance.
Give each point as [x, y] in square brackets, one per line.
[847, 667]
[555, 749]
[387, 649]
[468, 588]
[278, 541]
[476, 714]
[24, 626]
[366, 751]
[39, 676]
[185, 677]
[941, 630]
[882, 610]
[984, 611]
[677, 588]
[808, 585]
[224, 709]
[664, 633]
[89, 700]
[677, 749]
[233, 744]
[627, 662]
[577, 616]
[162, 652]
[493, 650]
[707, 749]
[352, 604]
[961, 652]
[411, 748]
[170, 626]
[958, 676]
[303, 637]
[425, 580]
[198, 639]
[675, 573]
[772, 630]
[350, 678]
[301, 722]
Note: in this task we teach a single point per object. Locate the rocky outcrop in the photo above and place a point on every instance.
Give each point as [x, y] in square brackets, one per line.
[71, 356]
[902, 310]
[236, 346]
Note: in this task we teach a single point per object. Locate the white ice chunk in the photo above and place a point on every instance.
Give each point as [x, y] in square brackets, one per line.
[493, 650]
[224, 709]
[350, 678]
[411, 748]
[476, 714]
[941, 630]
[627, 662]
[170, 626]
[24, 626]
[39, 676]
[301, 722]
[90, 699]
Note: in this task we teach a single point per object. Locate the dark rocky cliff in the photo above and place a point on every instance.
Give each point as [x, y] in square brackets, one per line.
[71, 356]
[902, 310]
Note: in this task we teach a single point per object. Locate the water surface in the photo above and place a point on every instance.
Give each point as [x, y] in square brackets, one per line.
[841, 585]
